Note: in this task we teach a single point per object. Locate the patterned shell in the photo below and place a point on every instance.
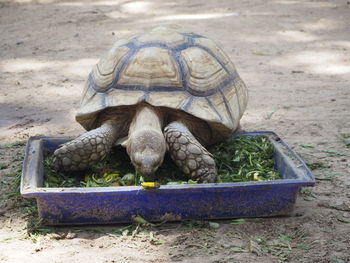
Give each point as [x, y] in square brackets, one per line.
[166, 68]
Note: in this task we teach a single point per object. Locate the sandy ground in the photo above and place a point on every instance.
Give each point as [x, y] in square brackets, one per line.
[293, 55]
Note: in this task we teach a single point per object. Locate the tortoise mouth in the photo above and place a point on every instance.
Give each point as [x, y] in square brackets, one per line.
[148, 167]
[148, 174]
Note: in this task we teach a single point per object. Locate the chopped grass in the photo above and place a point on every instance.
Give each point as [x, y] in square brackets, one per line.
[345, 137]
[245, 159]
[307, 146]
[240, 159]
[328, 176]
[318, 165]
[3, 166]
[115, 170]
[13, 145]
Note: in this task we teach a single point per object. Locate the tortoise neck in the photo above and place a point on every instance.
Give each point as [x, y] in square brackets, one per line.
[146, 118]
[146, 144]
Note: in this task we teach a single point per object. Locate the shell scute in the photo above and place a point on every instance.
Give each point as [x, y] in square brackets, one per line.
[216, 50]
[152, 66]
[204, 71]
[104, 71]
[162, 35]
[123, 97]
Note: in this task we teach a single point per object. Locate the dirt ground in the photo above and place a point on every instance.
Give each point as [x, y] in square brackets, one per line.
[293, 55]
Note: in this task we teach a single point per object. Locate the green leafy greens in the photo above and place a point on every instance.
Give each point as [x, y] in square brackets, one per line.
[239, 159]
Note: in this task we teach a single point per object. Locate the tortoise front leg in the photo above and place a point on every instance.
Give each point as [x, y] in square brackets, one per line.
[87, 149]
[189, 155]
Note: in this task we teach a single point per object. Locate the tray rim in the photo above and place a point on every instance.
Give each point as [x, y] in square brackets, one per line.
[30, 191]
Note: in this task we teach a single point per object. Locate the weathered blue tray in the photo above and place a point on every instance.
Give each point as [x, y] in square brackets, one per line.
[169, 202]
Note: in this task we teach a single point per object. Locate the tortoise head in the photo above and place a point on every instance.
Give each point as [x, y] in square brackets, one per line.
[146, 150]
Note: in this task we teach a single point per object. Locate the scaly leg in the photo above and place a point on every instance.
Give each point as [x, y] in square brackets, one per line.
[191, 157]
[87, 149]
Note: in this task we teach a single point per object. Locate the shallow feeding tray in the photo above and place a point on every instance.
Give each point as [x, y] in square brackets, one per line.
[101, 205]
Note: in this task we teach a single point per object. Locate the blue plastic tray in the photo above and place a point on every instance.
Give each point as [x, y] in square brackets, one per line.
[170, 202]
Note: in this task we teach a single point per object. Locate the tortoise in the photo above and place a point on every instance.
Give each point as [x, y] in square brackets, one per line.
[163, 90]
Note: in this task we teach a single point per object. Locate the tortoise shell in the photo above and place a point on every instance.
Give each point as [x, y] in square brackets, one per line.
[165, 68]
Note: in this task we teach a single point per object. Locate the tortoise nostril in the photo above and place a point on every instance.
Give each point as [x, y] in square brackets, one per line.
[137, 160]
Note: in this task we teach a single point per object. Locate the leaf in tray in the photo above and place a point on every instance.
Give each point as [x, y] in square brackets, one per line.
[239, 159]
